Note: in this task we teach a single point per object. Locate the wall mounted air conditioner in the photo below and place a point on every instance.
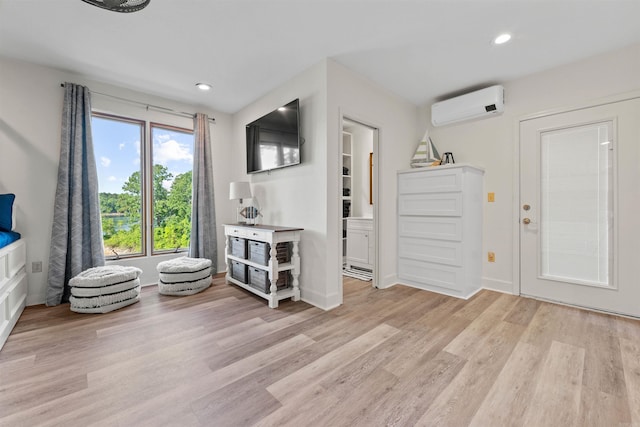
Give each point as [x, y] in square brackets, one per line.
[475, 105]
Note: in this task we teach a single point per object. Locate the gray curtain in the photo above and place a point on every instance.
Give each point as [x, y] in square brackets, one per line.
[203, 242]
[76, 237]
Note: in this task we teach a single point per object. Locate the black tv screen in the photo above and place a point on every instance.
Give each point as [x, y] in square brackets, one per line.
[273, 141]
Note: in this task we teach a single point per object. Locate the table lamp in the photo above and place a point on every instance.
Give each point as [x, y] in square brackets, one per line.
[239, 191]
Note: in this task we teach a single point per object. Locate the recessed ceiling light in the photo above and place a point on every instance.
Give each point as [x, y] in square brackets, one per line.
[203, 86]
[502, 38]
[282, 109]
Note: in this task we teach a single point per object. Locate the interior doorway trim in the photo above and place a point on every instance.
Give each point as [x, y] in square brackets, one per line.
[516, 168]
[376, 188]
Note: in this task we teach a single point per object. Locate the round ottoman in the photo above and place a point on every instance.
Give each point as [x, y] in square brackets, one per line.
[184, 276]
[104, 289]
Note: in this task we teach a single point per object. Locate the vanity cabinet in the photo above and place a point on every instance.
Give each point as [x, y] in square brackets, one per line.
[360, 243]
[440, 229]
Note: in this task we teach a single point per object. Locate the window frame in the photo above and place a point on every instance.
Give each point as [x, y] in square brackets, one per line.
[155, 124]
[143, 178]
[146, 181]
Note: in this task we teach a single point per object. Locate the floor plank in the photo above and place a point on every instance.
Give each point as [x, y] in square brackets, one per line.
[393, 357]
[559, 388]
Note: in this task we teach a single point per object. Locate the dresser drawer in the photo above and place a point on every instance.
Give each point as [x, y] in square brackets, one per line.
[443, 276]
[360, 224]
[4, 274]
[236, 232]
[433, 227]
[258, 235]
[17, 294]
[4, 313]
[436, 204]
[430, 181]
[436, 251]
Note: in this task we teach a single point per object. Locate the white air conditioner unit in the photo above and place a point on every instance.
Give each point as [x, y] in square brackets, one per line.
[475, 105]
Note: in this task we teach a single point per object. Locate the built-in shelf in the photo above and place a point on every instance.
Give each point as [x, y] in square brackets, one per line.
[347, 162]
[282, 294]
[281, 266]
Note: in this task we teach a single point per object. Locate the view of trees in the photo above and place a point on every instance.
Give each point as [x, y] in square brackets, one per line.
[122, 216]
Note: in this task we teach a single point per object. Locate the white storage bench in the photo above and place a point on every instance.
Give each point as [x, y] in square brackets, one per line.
[13, 286]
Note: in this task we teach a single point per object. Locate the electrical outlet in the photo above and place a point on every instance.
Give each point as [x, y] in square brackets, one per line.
[491, 197]
[491, 257]
[36, 267]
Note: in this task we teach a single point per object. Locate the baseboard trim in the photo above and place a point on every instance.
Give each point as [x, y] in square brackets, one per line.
[439, 290]
[497, 285]
[388, 281]
[316, 299]
[38, 299]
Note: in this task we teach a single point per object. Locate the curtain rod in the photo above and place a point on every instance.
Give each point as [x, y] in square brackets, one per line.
[149, 106]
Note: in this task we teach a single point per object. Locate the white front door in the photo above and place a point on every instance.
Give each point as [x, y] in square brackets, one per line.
[580, 207]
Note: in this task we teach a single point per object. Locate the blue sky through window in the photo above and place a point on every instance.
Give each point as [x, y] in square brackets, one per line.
[117, 148]
[173, 149]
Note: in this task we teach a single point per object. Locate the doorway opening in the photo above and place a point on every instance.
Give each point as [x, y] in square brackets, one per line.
[359, 144]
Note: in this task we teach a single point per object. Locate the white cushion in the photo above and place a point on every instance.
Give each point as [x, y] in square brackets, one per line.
[104, 276]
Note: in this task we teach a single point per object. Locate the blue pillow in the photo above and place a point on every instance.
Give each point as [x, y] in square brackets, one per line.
[6, 211]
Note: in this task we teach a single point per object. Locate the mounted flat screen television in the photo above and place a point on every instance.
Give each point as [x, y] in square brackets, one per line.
[273, 141]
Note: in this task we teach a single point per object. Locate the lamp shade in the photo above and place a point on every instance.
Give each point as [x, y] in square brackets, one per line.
[239, 190]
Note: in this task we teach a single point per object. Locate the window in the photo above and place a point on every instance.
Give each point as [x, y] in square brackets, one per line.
[143, 181]
[172, 164]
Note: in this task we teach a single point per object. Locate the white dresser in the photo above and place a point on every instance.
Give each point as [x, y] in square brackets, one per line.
[440, 229]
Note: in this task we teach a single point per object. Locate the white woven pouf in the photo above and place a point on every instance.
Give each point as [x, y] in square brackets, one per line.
[104, 289]
[184, 276]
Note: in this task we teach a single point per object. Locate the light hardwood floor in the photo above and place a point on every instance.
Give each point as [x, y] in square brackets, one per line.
[386, 357]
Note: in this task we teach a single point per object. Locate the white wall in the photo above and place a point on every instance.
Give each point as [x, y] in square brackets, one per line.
[30, 125]
[309, 195]
[359, 99]
[492, 143]
[294, 196]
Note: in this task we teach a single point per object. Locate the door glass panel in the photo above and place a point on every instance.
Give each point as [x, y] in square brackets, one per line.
[576, 204]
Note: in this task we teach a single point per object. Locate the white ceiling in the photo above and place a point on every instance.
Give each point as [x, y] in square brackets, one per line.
[420, 50]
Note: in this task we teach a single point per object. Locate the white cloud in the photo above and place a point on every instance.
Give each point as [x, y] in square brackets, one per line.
[121, 146]
[112, 178]
[105, 161]
[171, 150]
[167, 184]
[162, 137]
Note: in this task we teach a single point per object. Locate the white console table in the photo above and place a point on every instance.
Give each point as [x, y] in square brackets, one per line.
[272, 235]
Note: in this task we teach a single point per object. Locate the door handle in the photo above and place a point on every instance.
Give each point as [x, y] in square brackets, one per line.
[526, 221]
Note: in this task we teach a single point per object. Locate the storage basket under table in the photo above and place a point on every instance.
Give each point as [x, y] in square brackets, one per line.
[238, 247]
[239, 271]
[259, 279]
[260, 252]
